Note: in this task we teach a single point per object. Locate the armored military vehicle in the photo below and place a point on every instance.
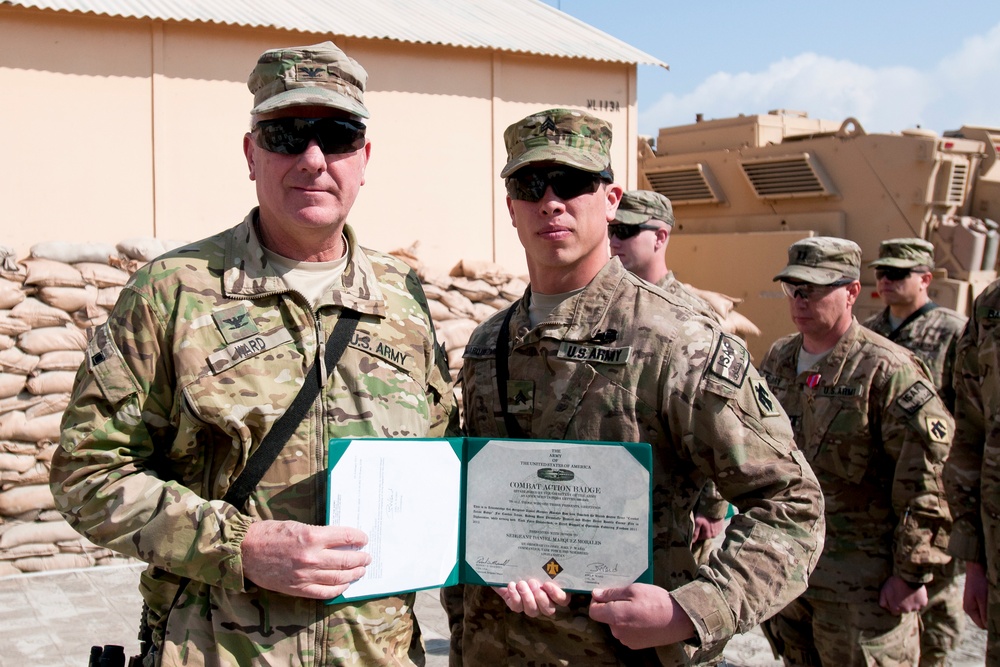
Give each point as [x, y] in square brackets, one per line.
[746, 188]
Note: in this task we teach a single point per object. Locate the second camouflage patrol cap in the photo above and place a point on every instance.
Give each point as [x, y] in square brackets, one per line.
[822, 260]
[563, 136]
[316, 75]
[639, 206]
[905, 254]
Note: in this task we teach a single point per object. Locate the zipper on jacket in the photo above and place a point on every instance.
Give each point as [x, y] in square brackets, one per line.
[320, 351]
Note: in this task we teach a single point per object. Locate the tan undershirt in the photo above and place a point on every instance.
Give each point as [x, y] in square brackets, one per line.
[310, 279]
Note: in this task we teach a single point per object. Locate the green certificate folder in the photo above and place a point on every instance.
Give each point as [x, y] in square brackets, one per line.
[492, 510]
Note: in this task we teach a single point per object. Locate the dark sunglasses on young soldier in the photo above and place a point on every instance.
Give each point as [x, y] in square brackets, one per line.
[623, 232]
[892, 274]
[291, 136]
[530, 184]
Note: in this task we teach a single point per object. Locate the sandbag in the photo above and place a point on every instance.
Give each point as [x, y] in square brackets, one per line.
[49, 339]
[71, 252]
[17, 463]
[61, 360]
[475, 290]
[458, 303]
[11, 293]
[90, 317]
[101, 275]
[38, 314]
[12, 384]
[6, 342]
[107, 297]
[143, 248]
[492, 273]
[69, 298]
[28, 550]
[455, 333]
[439, 312]
[47, 272]
[513, 289]
[59, 561]
[21, 499]
[11, 326]
[51, 382]
[16, 426]
[482, 311]
[13, 360]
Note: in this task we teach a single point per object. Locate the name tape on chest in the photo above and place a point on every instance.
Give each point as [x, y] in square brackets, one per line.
[914, 398]
[602, 354]
[248, 347]
[730, 361]
[367, 342]
[843, 390]
[479, 351]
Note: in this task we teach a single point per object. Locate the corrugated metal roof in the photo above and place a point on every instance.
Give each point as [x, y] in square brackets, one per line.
[525, 26]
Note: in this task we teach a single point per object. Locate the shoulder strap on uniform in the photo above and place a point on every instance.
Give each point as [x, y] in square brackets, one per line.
[282, 430]
[514, 429]
[926, 308]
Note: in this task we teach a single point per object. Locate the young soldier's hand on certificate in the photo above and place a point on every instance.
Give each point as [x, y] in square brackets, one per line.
[641, 615]
[532, 598]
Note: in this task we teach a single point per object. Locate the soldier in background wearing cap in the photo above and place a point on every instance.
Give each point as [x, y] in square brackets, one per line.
[206, 348]
[911, 319]
[874, 429]
[676, 382]
[645, 255]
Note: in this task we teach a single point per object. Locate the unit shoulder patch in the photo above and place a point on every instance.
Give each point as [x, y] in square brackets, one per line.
[730, 361]
[914, 398]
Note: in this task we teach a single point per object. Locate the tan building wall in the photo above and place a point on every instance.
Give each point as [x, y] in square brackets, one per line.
[124, 127]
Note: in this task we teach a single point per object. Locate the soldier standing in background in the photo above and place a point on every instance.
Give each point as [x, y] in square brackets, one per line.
[196, 370]
[644, 255]
[972, 474]
[686, 388]
[871, 424]
[911, 319]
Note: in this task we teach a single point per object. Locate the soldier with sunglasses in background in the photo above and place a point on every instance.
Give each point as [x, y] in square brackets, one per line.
[284, 325]
[639, 237]
[876, 432]
[670, 378]
[911, 319]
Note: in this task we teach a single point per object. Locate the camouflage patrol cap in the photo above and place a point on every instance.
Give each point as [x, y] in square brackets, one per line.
[563, 136]
[905, 254]
[320, 75]
[822, 260]
[639, 206]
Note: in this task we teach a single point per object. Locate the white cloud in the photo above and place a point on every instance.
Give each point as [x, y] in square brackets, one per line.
[961, 88]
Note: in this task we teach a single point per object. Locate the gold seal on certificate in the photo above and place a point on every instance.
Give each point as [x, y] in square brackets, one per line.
[571, 512]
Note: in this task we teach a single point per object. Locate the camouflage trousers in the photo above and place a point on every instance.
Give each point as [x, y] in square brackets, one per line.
[817, 633]
[993, 626]
[943, 619]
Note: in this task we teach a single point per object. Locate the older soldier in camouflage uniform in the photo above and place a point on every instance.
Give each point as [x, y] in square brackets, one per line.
[676, 381]
[911, 319]
[972, 474]
[870, 422]
[645, 255]
[206, 348]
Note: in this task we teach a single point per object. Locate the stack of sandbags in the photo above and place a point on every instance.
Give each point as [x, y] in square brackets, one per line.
[461, 299]
[48, 304]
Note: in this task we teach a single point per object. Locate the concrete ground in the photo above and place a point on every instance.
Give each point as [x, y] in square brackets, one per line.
[52, 619]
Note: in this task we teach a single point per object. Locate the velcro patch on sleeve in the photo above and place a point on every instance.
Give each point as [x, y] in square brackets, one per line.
[937, 429]
[766, 402]
[730, 361]
[914, 398]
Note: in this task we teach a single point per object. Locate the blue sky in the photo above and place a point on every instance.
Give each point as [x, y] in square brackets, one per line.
[892, 64]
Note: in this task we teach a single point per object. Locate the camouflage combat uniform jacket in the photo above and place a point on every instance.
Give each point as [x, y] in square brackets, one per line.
[710, 503]
[932, 336]
[203, 352]
[675, 381]
[876, 434]
[973, 470]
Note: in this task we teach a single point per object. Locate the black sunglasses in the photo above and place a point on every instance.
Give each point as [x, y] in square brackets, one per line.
[892, 274]
[623, 232]
[291, 136]
[530, 184]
